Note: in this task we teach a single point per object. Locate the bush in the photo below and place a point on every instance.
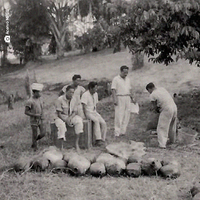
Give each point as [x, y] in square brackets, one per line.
[93, 39]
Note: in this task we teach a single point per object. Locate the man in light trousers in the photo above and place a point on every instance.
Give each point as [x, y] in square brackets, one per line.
[121, 91]
[66, 113]
[78, 91]
[89, 100]
[163, 103]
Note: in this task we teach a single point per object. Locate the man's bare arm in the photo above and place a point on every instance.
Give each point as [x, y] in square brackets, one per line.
[29, 113]
[84, 109]
[132, 96]
[114, 97]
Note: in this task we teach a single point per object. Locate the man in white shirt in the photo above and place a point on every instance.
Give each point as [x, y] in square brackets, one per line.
[121, 91]
[164, 104]
[89, 100]
[78, 91]
[66, 113]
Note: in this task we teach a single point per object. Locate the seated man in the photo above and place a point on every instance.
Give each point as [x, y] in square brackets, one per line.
[67, 114]
[89, 100]
[78, 91]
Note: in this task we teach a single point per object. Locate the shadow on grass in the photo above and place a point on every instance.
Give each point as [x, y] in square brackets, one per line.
[9, 68]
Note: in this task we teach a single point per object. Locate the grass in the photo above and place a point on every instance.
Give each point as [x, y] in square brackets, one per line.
[15, 132]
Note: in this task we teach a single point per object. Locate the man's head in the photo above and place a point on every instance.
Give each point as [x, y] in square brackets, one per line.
[150, 87]
[36, 89]
[92, 87]
[36, 94]
[76, 79]
[69, 92]
[124, 71]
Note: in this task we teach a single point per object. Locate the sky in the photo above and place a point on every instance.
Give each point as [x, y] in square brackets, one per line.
[5, 3]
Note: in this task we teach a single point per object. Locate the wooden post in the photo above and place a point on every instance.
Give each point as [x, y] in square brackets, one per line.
[27, 84]
[10, 102]
[54, 131]
[87, 124]
[34, 77]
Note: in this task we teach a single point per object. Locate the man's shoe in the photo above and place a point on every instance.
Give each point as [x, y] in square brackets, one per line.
[99, 143]
[40, 136]
[162, 147]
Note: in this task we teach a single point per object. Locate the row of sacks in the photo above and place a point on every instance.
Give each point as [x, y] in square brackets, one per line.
[97, 165]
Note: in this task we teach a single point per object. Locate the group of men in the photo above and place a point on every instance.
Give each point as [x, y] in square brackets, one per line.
[76, 103]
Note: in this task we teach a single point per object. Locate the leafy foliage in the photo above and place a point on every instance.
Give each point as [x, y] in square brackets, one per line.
[28, 20]
[2, 30]
[93, 38]
[163, 29]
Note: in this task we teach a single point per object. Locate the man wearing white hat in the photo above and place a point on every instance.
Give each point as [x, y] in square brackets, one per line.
[34, 109]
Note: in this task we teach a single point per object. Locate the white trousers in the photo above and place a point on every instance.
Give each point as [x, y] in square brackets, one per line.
[76, 121]
[167, 126]
[122, 115]
[100, 127]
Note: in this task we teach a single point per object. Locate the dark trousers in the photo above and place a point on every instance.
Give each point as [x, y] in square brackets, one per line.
[35, 135]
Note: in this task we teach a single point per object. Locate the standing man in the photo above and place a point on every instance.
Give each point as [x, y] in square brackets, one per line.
[121, 92]
[34, 109]
[89, 100]
[163, 103]
[66, 112]
[78, 91]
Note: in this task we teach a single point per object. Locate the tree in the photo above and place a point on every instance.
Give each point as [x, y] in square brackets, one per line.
[163, 29]
[28, 23]
[3, 44]
[112, 10]
[59, 13]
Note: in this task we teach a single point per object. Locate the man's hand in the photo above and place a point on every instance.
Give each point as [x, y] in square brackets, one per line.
[115, 102]
[68, 120]
[133, 100]
[38, 115]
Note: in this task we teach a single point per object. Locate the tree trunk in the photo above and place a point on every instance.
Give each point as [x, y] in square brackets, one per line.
[137, 60]
[59, 51]
[10, 102]
[60, 44]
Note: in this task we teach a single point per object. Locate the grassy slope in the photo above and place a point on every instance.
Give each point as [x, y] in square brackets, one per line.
[15, 132]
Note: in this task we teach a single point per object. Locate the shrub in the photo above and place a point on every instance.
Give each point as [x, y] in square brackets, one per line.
[93, 39]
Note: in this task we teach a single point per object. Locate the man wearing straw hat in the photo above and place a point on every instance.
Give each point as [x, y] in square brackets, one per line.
[34, 109]
[163, 103]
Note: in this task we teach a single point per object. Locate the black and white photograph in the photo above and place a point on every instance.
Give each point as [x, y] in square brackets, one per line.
[99, 99]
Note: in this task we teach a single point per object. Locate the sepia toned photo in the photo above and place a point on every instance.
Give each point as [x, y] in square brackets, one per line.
[99, 99]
